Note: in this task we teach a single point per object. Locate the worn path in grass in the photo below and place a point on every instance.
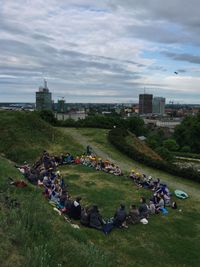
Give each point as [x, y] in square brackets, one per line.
[97, 139]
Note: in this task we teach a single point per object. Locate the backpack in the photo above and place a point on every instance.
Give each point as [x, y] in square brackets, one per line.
[107, 228]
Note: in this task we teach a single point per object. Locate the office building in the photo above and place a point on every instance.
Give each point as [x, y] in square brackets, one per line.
[43, 98]
[145, 103]
[159, 105]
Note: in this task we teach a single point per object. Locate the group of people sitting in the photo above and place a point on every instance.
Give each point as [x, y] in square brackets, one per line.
[99, 164]
[161, 197]
[90, 160]
[45, 173]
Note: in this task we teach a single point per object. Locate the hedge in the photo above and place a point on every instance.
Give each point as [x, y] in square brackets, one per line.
[117, 138]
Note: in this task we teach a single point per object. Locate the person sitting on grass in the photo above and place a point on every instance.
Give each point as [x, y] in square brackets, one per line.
[156, 184]
[134, 215]
[77, 160]
[67, 205]
[143, 209]
[63, 198]
[120, 217]
[132, 175]
[152, 207]
[75, 211]
[138, 179]
[117, 171]
[96, 220]
[85, 216]
[160, 203]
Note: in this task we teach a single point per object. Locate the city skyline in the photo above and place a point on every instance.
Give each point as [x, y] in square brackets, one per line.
[100, 51]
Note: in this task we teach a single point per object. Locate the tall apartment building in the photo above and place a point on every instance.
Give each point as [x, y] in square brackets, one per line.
[43, 98]
[145, 103]
[159, 105]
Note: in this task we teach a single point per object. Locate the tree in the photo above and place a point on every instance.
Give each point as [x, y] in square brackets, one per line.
[136, 125]
[186, 149]
[187, 133]
[164, 153]
[170, 144]
[48, 116]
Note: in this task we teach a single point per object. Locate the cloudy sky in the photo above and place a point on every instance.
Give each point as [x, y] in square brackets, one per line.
[100, 50]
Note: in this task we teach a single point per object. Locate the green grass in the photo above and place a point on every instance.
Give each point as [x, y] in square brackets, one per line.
[24, 135]
[36, 236]
[97, 138]
[165, 237]
[141, 147]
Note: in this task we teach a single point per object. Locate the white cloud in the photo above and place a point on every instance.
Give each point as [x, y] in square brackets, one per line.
[92, 46]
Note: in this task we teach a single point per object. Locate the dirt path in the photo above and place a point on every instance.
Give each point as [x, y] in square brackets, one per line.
[192, 189]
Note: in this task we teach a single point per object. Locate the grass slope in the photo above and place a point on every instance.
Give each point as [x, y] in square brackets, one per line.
[97, 138]
[24, 135]
[141, 147]
[35, 236]
[165, 241]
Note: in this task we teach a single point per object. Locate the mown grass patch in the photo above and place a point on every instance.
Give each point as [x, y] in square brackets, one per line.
[155, 243]
[24, 136]
[34, 235]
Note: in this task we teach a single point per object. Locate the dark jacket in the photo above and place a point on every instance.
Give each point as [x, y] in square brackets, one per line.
[68, 204]
[75, 211]
[144, 211]
[96, 220]
[85, 218]
[134, 216]
[120, 217]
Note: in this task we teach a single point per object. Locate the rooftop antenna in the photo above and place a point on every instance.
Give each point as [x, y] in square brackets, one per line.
[45, 84]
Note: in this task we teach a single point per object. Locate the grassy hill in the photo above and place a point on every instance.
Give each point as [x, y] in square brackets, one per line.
[141, 147]
[34, 235]
[24, 135]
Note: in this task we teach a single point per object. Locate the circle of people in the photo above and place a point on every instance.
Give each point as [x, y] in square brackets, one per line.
[45, 173]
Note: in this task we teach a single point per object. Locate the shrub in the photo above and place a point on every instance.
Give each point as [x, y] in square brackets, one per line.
[186, 149]
[117, 138]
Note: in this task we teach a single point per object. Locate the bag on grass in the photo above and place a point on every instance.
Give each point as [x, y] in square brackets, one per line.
[107, 228]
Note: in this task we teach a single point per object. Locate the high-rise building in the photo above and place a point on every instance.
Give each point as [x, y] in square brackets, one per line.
[43, 98]
[145, 103]
[159, 105]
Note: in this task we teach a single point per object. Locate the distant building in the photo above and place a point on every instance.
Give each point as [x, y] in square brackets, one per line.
[61, 108]
[169, 124]
[74, 115]
[158, 105]
[43, 98]
[145, 103]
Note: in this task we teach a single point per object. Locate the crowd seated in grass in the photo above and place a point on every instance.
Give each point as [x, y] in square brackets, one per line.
[45, 174]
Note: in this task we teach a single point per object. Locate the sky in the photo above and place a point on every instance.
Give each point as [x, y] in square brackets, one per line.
[100, 51]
